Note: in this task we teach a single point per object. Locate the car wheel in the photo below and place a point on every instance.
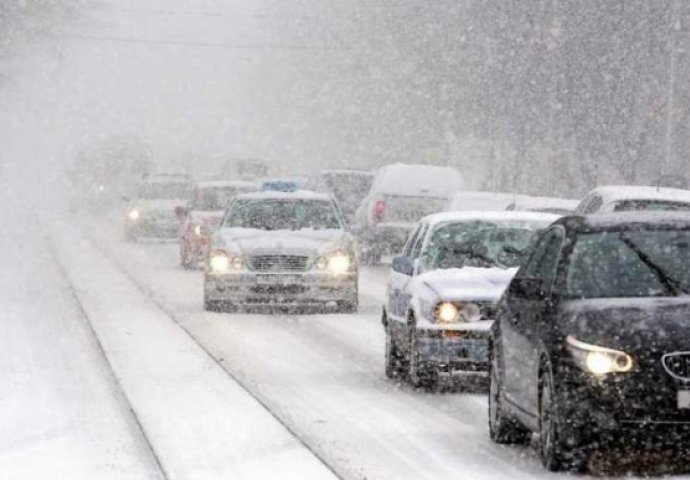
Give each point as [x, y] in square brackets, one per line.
[555, 455]
[420, 374]
[394, 360]
[502, 428]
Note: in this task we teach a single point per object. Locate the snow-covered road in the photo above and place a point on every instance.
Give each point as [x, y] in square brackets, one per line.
[188, 394]
[323, 376]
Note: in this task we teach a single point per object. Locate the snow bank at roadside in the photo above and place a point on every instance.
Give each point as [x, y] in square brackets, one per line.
[202, 424]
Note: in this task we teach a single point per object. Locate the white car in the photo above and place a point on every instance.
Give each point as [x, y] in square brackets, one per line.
[629, 198]
[529, 203]
[444, 287]
[281, 249]
[499, 201]
[399, 197]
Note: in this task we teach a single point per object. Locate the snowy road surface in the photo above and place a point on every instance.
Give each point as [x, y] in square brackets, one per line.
[215, 395]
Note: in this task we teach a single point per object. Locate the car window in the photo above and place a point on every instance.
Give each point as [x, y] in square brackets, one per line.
[594, 205]
[651, 205]
[629, 264]
[544, 259]
[282, 214]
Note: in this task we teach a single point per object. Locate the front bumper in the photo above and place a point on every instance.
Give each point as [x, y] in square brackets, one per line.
[633, 408]
[454, 350]
[280, 289]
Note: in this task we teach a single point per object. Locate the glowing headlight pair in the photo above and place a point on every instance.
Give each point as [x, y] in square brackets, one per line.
[221, 262]
[337, 263]
[598, 360]
[447, 312]
[134, 214]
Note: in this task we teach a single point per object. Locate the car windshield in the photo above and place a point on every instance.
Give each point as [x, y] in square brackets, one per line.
[216, 198]
[645, 263]
[283, 214]
[479, 244]
[163, 191]
[653, 205]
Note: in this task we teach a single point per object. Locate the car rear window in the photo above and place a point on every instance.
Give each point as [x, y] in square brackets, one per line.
[642, 263]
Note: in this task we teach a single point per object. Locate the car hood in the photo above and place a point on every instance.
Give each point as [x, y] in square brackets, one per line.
[468, 283]
[247, 241]
[631, 324]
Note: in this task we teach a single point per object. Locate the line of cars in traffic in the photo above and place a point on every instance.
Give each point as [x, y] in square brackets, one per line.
[577, 321]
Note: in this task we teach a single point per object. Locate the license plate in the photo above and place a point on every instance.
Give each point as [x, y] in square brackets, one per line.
[684, 399]
[278, 279]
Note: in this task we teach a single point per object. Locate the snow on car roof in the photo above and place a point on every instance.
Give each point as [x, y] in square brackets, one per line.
[348, 172]
[622, 219]
[496, 216]
[526, 202]
[227, 183]
[612, 193]
[298, 195]
[420, 180]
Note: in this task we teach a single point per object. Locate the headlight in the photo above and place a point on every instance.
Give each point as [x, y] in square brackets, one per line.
[221, 262]
[134, 214]
[447, 312]
[197, 230]
[598, 360]
[338, 263]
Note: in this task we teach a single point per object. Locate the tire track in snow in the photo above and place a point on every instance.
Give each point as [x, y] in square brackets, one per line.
[172, 316]
[122, 397]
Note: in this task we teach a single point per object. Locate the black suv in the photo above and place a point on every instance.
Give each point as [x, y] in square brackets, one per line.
[591, 346]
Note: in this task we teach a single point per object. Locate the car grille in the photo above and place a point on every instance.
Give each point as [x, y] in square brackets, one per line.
[280, 263]
[677, 364]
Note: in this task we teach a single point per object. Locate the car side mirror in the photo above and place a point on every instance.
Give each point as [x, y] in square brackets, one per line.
[181, 212]
[403, 265]
[527, 288]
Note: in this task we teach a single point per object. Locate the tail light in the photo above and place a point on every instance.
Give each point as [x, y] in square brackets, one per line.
[379, 210]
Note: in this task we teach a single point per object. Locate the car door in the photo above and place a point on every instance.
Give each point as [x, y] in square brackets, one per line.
[414, 256]
[397, 280]
[518, 332]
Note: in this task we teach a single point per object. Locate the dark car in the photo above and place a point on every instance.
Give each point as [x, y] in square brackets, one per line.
[591, 346]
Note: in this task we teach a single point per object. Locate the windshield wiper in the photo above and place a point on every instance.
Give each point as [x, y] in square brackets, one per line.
[671, 283]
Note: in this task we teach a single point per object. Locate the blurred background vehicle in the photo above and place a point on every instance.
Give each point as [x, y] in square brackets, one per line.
[282, 249]
[202, 215]
[348, 187]
[399, 197]
[151, 212]
[443, 290]
[628, 198]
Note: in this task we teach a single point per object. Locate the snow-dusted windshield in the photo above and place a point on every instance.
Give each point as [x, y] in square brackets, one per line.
[478, 244]
[163, 191]
[282, 214]
[630, 264]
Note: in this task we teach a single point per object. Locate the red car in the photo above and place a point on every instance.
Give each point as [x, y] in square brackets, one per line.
[201, 217]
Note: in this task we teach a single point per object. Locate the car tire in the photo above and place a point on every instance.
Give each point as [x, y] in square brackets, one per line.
[555, 455]
[395, 364]
[502, 429]
[419, 373]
